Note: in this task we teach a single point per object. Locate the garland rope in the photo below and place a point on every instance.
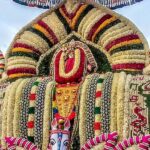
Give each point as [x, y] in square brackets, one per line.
[47, 113]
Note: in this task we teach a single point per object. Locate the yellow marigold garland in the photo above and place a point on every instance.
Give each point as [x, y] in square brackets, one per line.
[115, 32]
[32, 103]
[95, 18]
[56, 25]
[113, 110]
[31, 43]
[10, 107]
[4, 116]
[83, 22]
[17, 107]
[47, 114]
[107, 33]
[82, 114]
[126, 108]
[120, 103]
[27, 35]
[86, 26]
[21, 60]
[116, 36]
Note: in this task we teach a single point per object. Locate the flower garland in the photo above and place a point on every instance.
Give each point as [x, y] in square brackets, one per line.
[4, 116]
[31, 109]
[21, 142]
[10, 107]
[106, 103]
[17, 109]
[142, 142]
[98, 104]
[120, 103]
[114, 33]
[47, 113]
[110, 139]
[113, 107]
[56, 25]
[24, 108]
[82, 114]
[75, 139]
[2, 63]
[90, 105]
[30, 44]
[39, 106]
[126, 108]
[84, 23]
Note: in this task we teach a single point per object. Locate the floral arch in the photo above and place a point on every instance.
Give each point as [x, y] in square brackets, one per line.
[119, 38]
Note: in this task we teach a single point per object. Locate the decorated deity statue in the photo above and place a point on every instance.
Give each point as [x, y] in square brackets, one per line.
[79, 79]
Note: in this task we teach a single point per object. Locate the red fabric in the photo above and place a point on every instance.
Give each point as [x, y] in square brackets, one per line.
[76, 77]
[122, 39]
[136, 66]
[98, 94]
[30, 124]
[96, 25]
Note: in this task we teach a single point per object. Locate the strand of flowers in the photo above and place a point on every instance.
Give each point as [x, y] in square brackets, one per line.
[39, 106]
[47, 113]
[142, 141]
[17, 109]
[117, 36]
[4, 115]
[113, 108]
[109, 139]
[21, 142]
[126, 107]
[29, 35]
[10, 107]
[24, 105]
[31, 110]
[30, 43]
[21, 66]
[56, 25]
[75, 142]
[128, 57]
[106, 103]
[116, 33]
[21, 60]
[82, 114]
[90, 105]
[82, 26]
[97, 124]
[120, 103]
[128, 61]
[95, 17]
[110, 30]
[130, 52]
